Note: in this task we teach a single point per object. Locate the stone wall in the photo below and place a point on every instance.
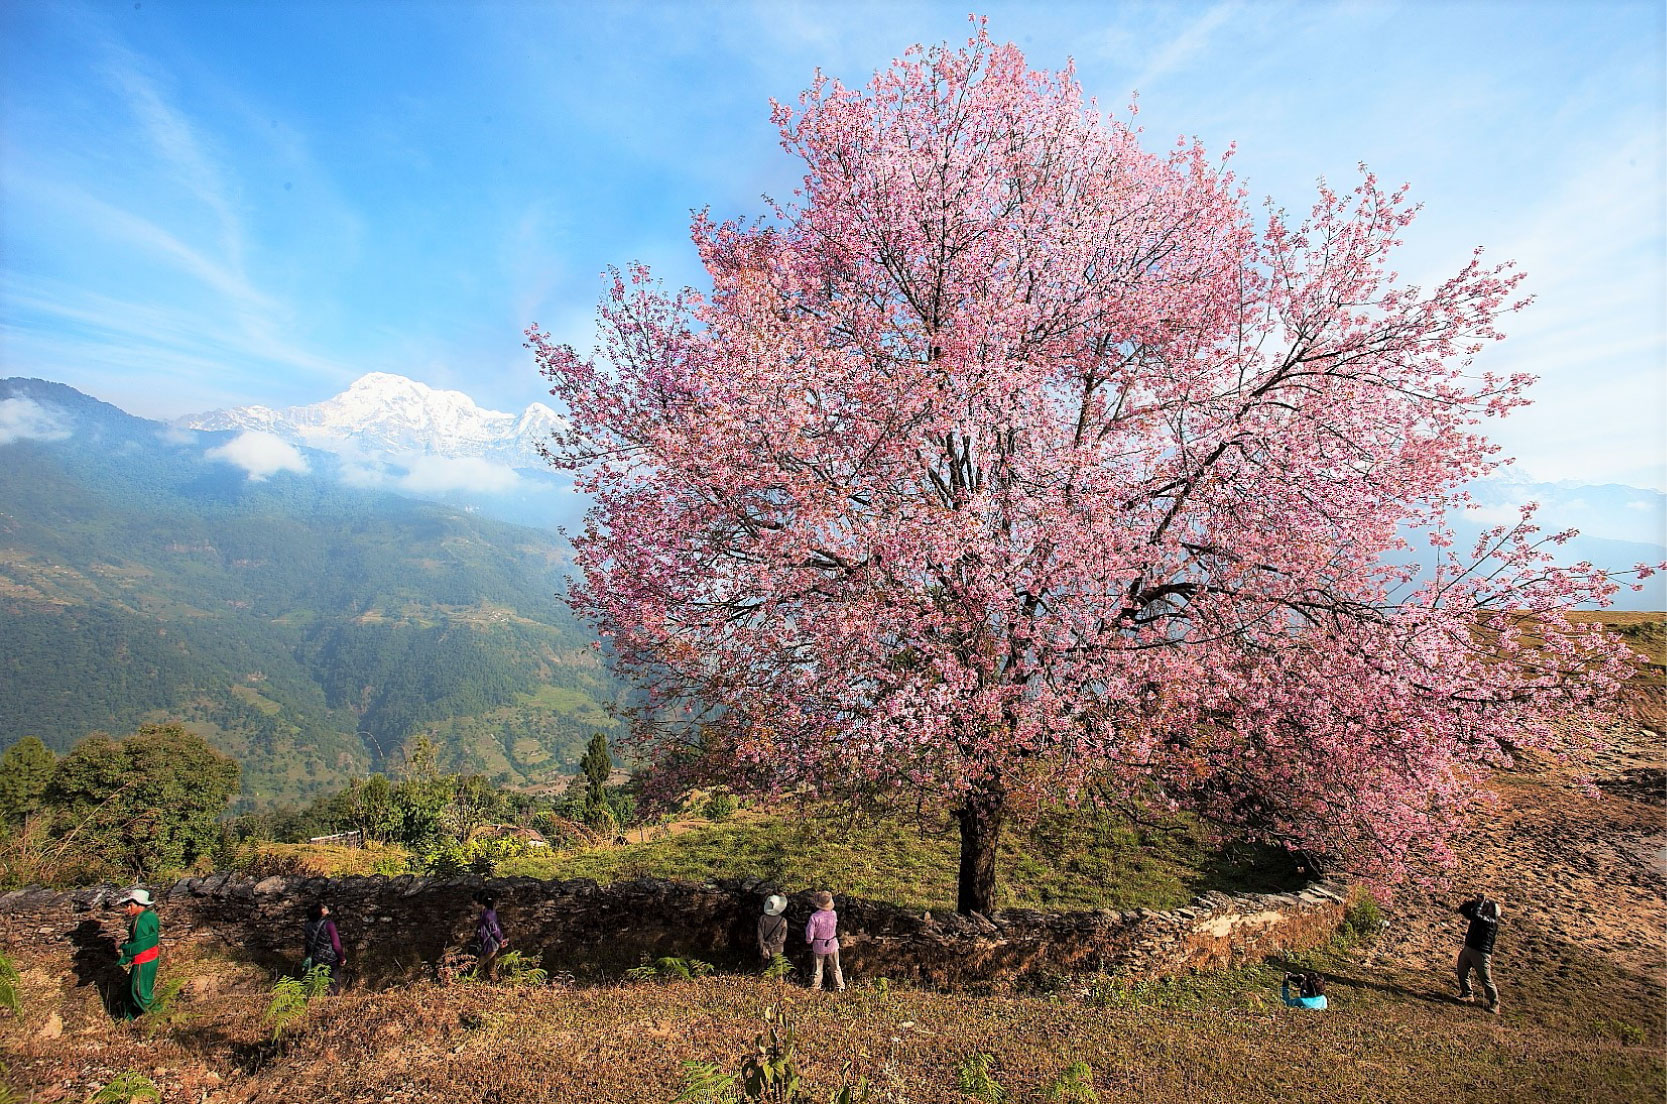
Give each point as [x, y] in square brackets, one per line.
[396, 928]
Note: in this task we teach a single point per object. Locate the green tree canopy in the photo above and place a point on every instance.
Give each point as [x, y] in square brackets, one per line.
[150, 802]
[25, 769]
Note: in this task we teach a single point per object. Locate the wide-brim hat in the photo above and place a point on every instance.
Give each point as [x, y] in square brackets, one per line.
[137, 897]
[775, 904]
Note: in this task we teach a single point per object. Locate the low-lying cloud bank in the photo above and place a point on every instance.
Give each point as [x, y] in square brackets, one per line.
[442, 474]
[27, 420]
[260, 454]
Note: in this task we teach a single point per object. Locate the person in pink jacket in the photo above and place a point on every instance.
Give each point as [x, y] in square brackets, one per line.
[823, 934]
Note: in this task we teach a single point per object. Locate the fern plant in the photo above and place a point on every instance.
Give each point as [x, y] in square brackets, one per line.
[127, 1088]
[779, 967]
[514, 968]
[670, 968]
[165, 1011]
[705, 1083]
[292, 996]
[10, 985]
[973, 1077]
[1074, 1085]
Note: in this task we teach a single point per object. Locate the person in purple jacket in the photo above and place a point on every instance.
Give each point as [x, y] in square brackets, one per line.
[823, 934]
[323, 944]
[490, 935]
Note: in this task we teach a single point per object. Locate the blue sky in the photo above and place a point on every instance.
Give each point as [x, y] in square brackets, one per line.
[204, 205]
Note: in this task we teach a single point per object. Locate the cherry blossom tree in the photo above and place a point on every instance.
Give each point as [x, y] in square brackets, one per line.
[1010, 458]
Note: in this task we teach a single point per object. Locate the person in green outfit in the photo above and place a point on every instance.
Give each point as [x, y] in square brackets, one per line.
[140, 952]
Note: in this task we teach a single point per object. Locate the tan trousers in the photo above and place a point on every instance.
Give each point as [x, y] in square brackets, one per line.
[832, 960]
[1469, 959]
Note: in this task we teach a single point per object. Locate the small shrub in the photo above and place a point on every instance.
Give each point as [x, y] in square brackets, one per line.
[973, 1077]
[1626, 1033]
[10, 985]
[720, 806]
[443, 860]
[485, 856]
[390, 865]
[127, 1088]
[770, 1074]
[779, 967]
[1363, 920]
[1074, 1085]
[849, 1091]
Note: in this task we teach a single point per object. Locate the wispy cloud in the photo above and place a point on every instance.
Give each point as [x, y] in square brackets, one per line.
[1193, 39]
[178, 144]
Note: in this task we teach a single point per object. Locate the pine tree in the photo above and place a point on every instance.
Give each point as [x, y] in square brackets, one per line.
[597, 765]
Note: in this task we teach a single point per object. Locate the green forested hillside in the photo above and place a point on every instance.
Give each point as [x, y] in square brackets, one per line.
[307, 627]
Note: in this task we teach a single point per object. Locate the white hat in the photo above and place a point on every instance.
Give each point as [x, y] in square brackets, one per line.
[138, 897]
[775, 904]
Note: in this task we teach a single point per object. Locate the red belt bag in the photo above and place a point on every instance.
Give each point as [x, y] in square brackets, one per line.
[148, 955]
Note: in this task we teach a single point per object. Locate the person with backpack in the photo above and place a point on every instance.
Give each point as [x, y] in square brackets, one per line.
[772, 928]
[323, 945]
[140, 953]
[1477, 952]
[489, 935]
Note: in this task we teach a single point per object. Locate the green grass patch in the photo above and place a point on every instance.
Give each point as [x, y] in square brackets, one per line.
[1066, 860]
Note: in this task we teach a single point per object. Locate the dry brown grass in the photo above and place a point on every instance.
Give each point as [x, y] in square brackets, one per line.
[1389, 1037]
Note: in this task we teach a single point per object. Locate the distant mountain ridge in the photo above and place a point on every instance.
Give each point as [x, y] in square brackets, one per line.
[306, 626]
[383, 413]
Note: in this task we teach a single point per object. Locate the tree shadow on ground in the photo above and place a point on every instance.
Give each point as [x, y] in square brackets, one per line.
[1352, 981]
[1243, 866]
[94, 962]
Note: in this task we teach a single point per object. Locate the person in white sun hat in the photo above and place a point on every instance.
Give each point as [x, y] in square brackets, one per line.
[141, 951]
[772, 928]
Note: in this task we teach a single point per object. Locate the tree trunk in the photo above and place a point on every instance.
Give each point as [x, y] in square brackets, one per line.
[980, 816]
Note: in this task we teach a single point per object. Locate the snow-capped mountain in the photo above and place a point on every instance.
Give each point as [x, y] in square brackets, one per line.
[382, 414]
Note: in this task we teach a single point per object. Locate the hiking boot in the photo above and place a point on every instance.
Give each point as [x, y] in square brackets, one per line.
[1492, 1010]
[1465, 998]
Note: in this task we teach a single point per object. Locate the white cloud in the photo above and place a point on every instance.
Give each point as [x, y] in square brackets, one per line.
[179, 438]
[27, 420]
[356, 473]
[436, 474]
[259, 453]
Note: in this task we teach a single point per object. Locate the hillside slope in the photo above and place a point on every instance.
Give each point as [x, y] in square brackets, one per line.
[1577, 962]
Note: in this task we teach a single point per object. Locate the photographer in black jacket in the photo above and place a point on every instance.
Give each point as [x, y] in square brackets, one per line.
[1477, 952]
